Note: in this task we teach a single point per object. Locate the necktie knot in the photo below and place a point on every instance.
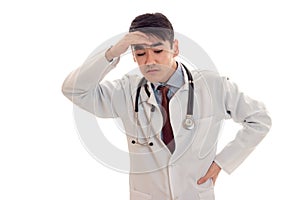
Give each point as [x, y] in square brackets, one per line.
[163, 88]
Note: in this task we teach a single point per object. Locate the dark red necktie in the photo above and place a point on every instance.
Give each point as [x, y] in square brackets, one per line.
[167, 132]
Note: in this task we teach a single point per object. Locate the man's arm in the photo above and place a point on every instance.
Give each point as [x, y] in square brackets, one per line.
[83, 87]
[256, 122]
[253, 116]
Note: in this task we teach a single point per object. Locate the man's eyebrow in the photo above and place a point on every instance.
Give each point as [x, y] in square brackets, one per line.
[156, 44]
[138, 46]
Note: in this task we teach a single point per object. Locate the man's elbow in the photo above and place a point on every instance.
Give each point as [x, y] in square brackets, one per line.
[261, 123]
[66, 90]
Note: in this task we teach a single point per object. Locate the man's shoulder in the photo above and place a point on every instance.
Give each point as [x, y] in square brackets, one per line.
[132, 79]
[206, 74]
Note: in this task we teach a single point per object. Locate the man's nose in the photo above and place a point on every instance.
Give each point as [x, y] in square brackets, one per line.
[150, 59]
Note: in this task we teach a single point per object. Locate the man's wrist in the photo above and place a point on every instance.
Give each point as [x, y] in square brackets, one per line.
[218, 164]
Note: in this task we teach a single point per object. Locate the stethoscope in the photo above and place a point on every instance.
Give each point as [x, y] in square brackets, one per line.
[188, 122]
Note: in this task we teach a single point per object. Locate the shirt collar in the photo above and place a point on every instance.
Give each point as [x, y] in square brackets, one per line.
[176, 80]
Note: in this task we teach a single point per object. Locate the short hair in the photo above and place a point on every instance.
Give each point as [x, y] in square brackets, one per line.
[155, 24]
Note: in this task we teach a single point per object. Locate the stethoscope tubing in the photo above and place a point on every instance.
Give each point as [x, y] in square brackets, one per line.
[190, 104]
[188, 122]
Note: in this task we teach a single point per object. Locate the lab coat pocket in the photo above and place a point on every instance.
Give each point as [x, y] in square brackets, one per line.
[206, 190]
[209, 136]
[137, 195]
[207, 195]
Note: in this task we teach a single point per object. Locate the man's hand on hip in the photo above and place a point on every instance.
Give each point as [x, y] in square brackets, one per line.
[212, 173]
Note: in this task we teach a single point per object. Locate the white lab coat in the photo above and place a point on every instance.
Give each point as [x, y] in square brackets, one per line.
[156, 174]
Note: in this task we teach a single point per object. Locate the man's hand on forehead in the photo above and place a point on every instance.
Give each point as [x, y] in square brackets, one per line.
[147, 46]
[130, 38]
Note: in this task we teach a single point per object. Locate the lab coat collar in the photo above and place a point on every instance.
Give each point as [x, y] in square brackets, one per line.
[186, 81]
[144, 96]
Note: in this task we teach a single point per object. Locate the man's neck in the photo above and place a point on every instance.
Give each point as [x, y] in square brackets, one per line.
[172, 71]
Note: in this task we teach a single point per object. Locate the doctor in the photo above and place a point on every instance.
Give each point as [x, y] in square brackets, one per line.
[172, 117]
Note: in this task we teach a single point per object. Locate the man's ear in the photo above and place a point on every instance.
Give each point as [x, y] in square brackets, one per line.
[175, 48]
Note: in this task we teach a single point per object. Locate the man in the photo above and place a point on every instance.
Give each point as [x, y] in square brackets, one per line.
[171, 116]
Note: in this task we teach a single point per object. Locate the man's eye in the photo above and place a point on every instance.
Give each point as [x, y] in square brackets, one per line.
[158, 51]
[140, 54]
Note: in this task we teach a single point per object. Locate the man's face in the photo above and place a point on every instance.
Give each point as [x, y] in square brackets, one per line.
[156, 61]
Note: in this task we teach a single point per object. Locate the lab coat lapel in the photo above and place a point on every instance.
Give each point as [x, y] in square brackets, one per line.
[178, 106]
[154, 117]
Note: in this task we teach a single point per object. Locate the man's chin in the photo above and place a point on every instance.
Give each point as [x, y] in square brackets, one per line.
[152, 80]
[155, 79]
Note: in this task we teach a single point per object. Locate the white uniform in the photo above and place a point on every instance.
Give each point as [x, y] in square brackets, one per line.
[156, 174]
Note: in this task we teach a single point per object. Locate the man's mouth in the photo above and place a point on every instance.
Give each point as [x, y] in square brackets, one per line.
[151, 70]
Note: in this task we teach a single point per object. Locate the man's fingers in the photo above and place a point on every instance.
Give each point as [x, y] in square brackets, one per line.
[138, 37]
[212, 173]
[138, 33]
[214, 178]
[202, 180]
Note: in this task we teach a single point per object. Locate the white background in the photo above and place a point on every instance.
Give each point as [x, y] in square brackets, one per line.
[255, 43]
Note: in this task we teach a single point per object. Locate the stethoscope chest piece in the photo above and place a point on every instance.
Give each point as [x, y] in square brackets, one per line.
[188, 122]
